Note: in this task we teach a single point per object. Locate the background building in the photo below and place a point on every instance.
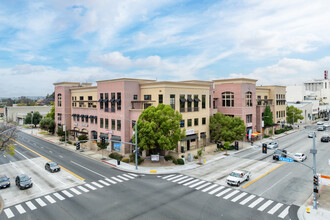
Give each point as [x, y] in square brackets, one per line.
[18, 113]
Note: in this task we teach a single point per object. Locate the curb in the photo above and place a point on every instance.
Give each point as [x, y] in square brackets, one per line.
[1, 204]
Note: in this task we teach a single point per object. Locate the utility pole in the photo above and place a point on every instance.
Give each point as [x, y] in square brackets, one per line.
[314, 151]
[136, 148]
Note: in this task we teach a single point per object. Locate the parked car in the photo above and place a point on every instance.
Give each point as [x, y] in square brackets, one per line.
[52, 167]
[299, 157]
[326, 119]
[237, 177]
[310, 134]
[4, 181]
[325, 139]
[320, 123]
[23, 181]
[279, 153]
[272, 145]
[321, 128]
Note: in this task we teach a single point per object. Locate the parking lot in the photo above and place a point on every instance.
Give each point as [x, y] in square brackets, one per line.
[44, 182]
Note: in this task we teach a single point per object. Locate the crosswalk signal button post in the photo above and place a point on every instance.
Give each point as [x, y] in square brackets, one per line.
[77, 145]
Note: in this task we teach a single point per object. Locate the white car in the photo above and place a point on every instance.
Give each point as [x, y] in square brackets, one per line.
[299, 157]
[320, 123]
[237, 177]
[272, 145]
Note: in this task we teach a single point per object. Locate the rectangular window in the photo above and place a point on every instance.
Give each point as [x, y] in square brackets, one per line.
[86, 119]
[95, 119]
[172, 101]
[160, 98]
[182, 124]
[189, 122]
[118, 101]
[189, 101]
[182, 103]
[78, 117]
[196, 122]
[147, 97]
[133, 124]
[135, 97]
[59, 117]
[101, 100]
[113, 102]
[113, 124]
[248, 118]
[118, 125]
[196, 100]
[146, 105]
[92, 120]
[82, 118]
[106, 123]
[203, 121]
[106, 102]
[81, 98]
[90, 98]
[101, 122]
[72, 101]
[203, 101]
[209, 101]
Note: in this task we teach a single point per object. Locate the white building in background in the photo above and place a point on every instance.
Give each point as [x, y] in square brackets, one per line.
[18, 113]
[307, 110]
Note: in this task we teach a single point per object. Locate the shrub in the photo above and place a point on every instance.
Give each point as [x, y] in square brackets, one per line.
[168, 157]
[132, 159]
[140, 160]
[180, 161]
[195, 157]
[266, 136]
[62, 139]
[82, 138]
[116, 156]
[175, 161]
[125, 160]
[278, 131]
[69, 142]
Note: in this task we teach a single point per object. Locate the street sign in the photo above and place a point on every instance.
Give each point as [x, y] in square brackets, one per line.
[109, 131]
[325, 180]
[285, 159]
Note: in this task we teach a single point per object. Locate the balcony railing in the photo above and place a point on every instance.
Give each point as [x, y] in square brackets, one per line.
[196, 109]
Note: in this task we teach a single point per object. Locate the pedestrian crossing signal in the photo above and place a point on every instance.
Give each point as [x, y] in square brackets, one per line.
[77, 145]
[264, 148]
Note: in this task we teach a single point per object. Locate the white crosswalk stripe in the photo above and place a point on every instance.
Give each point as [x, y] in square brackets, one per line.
[75, 191]
[121, 177]
[275, 208]
[118, 180]
[104, 183]
[265, 205]
[216, 190]
[90, 186]
[172, 178]
[253, 204]
[231, 194]
[196, 184]
[165, 177]
[223, 192]
[247, 199]
[186, 180]
[191, 182]
[133, 174]
[202, 186]
[239, 197]
[181, 178]
[20, 209]
[128, 176]
[59, 196]
[210, 187]
[9, 213]
[111, 181]
[67, 193]
[83, 189]
[284, 213]
[40, 202]
[96, 184]
[30, 205]
[50, 199]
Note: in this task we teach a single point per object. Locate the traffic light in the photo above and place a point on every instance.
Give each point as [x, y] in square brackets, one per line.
[236, 145]
[103, 140]
[78, 145]
[316, 180]
[264, 148]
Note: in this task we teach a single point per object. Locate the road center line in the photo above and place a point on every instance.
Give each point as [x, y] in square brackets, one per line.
[276, 183]
[88, 169]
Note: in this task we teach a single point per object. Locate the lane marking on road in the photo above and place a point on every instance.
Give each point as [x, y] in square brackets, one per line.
[186, 180]
[30, 205]
[75, 191]
[50, 199]
[90, 186]
[216, 190]
[248, 184]
[67, 193]
[47, 159]
[223, 192]
[247, 200]
[59, 196]
[104, 183]
[275, 208]
[40, 202]
[88, 169]
[253, 204]
[265, 205]
[276, 183]
[20, 209]
[191, 182]
[231, 194]
[239, 197]
[9, 213]
[284, 213]
[83, 189]
[111, 181]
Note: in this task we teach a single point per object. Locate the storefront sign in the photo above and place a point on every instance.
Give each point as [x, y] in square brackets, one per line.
[116, 147]
[190, 131]
[75, 124]
[85, 125]
[109, 132]
[155, 157]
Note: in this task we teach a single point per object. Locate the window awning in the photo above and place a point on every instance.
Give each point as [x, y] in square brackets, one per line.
[189, 100]
[95, 117]
[105, 100]
[73, 115]
[190, 137]
[118, 100]
[91, 116]
[112, 100]
[183, 100]
[100, 100]
[78, 115]
[203, 135]
[115, 138]
[197, 100]
[86, 116]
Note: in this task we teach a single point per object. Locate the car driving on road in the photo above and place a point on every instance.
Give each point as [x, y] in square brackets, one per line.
[299, 157]
[23, 181]
[279, 153]
[325, 139]
[320, 123]
[4, 181]
[310, 134]
[52, 167]
[272, 145]
[321, 128]
[237, 177]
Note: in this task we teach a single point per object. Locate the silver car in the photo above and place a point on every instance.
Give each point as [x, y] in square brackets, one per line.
[299, 157]
[310, 134]
[272, 145]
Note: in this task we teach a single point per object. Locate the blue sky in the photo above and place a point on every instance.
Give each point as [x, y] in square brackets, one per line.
[276, 42]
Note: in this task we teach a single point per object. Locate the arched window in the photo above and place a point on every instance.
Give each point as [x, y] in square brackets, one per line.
[59, 100]
[248, 98]
[228, 99]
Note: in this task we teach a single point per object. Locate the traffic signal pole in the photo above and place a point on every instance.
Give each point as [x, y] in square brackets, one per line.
[136, 149]
[313, 151]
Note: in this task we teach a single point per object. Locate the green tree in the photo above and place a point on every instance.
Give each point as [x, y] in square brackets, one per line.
[8, 133]
[36, 117]
[268, 117]
[48, 124]
[159, 128]
[51, 114]
[225, 128]
[60, 131]
[226, 146]
[293, 114]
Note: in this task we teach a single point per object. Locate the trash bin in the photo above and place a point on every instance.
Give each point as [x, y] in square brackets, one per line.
[118, 162]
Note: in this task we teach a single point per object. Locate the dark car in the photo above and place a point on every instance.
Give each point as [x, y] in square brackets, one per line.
[325, 139]
[52, 167]
[279, 153]
[326, 119]
[23, 181]
[4, 181]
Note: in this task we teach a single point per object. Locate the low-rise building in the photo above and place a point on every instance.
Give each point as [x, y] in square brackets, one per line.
[18, 113]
